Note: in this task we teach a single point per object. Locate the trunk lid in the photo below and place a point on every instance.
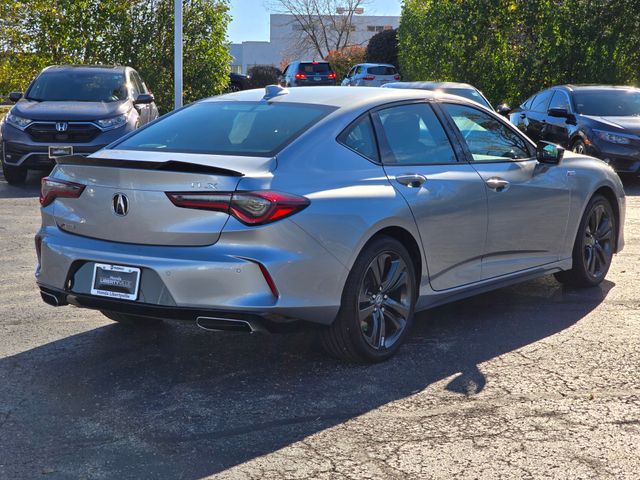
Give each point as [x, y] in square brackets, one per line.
[142, 178]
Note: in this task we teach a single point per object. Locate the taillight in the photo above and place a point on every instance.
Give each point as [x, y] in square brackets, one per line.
[331, 76]
[369, 77]
[51, 189]
[301, 76]
[251, 208]
[396, 77]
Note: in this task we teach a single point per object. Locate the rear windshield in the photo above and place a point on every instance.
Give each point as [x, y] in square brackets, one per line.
[78, 86]
[381, 70]
[469, 93]
[608, 103]
[228, 128]
[314, 68]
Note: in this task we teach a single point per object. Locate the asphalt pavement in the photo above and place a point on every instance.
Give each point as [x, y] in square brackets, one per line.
[530, 381]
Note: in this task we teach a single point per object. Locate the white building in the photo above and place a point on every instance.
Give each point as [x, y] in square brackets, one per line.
[284, 41]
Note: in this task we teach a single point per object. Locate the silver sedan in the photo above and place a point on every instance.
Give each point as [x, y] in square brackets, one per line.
[347, 209]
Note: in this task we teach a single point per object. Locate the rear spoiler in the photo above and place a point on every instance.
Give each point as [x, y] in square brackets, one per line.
[168, 166]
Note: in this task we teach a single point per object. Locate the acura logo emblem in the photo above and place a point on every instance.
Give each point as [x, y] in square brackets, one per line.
[61, 126]
[120, 204]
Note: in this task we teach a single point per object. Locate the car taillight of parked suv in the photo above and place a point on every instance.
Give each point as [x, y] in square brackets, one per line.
[305, 74]
[71, 110]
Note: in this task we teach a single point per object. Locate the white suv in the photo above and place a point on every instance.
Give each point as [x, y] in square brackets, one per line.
[370, 75]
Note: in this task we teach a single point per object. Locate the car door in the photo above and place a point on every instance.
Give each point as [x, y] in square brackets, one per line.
[283, 77]
[136, 89]
[447, 197]
[146, 110]
[528, 202]
[535, 120]
[347, 79]
[557, 130]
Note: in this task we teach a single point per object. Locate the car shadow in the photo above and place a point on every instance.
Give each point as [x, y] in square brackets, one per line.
[178, 402]
[30, 189]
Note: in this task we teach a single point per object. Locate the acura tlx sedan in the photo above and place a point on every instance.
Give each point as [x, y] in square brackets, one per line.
[347, 209]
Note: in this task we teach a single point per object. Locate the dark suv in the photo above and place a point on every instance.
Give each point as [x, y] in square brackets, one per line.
[305, 74]
[70, 110]
[599, 120]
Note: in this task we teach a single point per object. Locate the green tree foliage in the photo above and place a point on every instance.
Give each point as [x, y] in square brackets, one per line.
[262, 75]
[383, 48]
[138, 33]
[513, 48]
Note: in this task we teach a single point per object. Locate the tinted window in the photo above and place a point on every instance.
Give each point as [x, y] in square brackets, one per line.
[488, 139]
[413, 135]
[233, 128]
[468, 93]
[527, 104]
[79, 86]
[541, 102]
[560, 100]
[381, 70]
[607, 103]
[360, 137]
[314, 68]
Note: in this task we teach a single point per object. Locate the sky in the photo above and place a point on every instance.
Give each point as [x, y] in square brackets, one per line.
[250, 18]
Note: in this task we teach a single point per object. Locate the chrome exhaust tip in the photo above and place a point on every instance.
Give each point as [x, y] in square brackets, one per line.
[215, 324]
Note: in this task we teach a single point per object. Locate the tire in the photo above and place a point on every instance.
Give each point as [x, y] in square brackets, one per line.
[579, 147]
[14, 175]
[594, 245]
[131, 320]
[371, 308]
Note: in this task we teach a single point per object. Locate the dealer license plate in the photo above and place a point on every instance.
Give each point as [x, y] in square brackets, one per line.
[115, 281]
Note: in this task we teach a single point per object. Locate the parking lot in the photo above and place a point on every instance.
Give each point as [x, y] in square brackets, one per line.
[531, 381]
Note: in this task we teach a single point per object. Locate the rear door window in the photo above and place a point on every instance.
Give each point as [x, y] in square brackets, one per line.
[381, 70]
[311, 68]
[361, 138]
[228, 128]
[413, 135]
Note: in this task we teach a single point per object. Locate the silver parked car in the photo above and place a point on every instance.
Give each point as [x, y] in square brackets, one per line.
[350, 209]
[370, 75]
[452, 88]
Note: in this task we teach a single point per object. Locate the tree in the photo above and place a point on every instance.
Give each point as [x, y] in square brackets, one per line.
[383, 47]
[138, 33]
[342, 60]
[263, 75]
[324, 25]
[513, 48]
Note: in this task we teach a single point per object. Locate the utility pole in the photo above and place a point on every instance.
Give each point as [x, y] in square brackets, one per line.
[177, 53]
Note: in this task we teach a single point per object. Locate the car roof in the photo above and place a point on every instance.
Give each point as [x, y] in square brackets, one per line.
[335, 96]
[87, 68]
[587, 87]
[375, 65]
[430, 85]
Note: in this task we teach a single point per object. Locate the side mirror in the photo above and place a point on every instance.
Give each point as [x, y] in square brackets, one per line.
[144, 99]
[503, 109]
[558, 112]
[549, 153]
[15, 96]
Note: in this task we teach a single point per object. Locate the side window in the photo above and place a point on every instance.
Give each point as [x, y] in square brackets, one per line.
[488, 139]
[359, 69]
[136, 78]
[527, 104]
[413, 135]
[135, 86]
[560, 100]
[286, 69]
[541, 102]
[360, 137]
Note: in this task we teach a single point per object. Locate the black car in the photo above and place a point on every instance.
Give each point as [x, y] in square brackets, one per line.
[71, 109]
[237, 82]
[599, 120]
[305, 74]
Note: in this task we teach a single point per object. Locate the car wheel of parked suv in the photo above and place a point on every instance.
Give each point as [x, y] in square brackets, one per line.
[578, 147]
[131, 320]
[14, 175]
[377, 304]
[593, 247]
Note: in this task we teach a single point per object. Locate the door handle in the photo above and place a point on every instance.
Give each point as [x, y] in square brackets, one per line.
[411, 180]
[498, 184]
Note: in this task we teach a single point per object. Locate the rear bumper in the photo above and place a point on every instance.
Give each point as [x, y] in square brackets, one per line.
[224, 277]
[209, 319]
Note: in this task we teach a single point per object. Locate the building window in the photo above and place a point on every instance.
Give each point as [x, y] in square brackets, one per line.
[375, 28]
[236, 68]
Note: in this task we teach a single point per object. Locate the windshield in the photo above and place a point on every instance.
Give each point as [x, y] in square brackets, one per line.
[608, 103]
[78, 86]
[468, 93]
[228, 128]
